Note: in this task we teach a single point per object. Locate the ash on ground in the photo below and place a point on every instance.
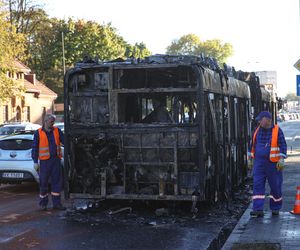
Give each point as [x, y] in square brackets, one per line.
[164, 214]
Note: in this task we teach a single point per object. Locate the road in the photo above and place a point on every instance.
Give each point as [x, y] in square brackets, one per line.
[23, 226]
[291, 130]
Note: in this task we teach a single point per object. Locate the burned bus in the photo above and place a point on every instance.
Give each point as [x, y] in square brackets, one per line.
[163, 128]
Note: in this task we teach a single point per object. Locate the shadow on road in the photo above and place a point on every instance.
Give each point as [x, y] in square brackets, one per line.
[20, 188]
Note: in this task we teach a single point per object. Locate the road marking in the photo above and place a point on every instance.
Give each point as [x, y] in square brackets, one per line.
[9, 218]
[5, 240]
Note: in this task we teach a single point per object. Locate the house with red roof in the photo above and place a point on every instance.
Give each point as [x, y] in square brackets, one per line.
[36, 101]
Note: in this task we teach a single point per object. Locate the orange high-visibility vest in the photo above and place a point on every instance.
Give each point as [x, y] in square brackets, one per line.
[44, 152]
[275, 150]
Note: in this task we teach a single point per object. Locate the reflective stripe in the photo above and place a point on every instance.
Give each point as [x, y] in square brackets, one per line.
[55, 194]
[275, 148]
[44, 154]
[274, 155]
[43, 196]
[254, 197]
[274, 199]
[297, 202]
[45, 148]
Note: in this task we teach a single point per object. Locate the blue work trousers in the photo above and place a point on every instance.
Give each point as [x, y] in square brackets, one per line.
[50, 172]
[263, 170]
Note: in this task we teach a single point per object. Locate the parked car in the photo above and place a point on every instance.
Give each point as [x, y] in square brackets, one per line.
[60, 125]
[16, 164]
[12, 128]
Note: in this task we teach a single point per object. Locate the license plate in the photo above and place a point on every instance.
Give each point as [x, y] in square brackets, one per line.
[13, 175]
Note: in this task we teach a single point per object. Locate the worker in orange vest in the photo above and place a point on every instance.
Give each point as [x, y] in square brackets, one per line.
[47, 155]
[268, 150]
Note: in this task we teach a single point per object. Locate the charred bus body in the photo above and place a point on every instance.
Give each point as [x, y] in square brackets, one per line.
[166, 128]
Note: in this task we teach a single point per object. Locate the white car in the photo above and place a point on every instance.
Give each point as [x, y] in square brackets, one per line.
[60, 125]
[12, 128]
[16, 164]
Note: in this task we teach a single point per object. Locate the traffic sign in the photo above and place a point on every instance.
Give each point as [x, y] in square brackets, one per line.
[298, 85]
[297, 65]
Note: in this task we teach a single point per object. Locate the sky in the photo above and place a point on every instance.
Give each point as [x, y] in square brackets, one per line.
[265, 34]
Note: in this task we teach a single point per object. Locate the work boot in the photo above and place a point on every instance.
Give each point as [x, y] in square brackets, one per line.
[43, 208]
[258, 213]
[275, 212]
[43, 201]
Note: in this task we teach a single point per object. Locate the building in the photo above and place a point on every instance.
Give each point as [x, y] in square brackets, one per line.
[33, 104]
[268, 79]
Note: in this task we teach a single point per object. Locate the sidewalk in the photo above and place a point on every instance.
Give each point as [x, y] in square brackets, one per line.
[271, 232]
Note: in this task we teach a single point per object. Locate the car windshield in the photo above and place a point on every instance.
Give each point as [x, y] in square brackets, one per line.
[16, 144]
[61, 126]
[7, 130]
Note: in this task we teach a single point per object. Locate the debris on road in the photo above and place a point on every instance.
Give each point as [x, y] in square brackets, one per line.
[120, 210]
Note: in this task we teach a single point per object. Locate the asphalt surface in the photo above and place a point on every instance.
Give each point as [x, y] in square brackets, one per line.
[23, 226]
[291, 130]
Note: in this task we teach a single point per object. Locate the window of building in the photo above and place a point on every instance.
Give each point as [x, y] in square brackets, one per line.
[5, 113]
[18, 114]
[28, 113]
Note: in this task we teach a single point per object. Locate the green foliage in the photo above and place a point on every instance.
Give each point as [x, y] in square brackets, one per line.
[81, 38]
[185, 45]
[87, 38]
[12, 47]
[190, 44]
[215, 48]
[139, 50]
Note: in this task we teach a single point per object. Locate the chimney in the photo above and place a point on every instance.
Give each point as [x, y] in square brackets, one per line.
[30, 78]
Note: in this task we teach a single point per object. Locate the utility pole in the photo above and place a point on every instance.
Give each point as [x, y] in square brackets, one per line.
[63, 52]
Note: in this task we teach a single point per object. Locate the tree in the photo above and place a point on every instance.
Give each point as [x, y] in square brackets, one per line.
[185, 45]
[25, 15]
[215, 48]
[139, 50]
[12, 47]
[88, 38]
[190, 44]
[81, 38]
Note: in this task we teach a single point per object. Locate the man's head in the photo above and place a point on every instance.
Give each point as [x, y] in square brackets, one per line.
[264, 119]
[157, 102]
[49, 121]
